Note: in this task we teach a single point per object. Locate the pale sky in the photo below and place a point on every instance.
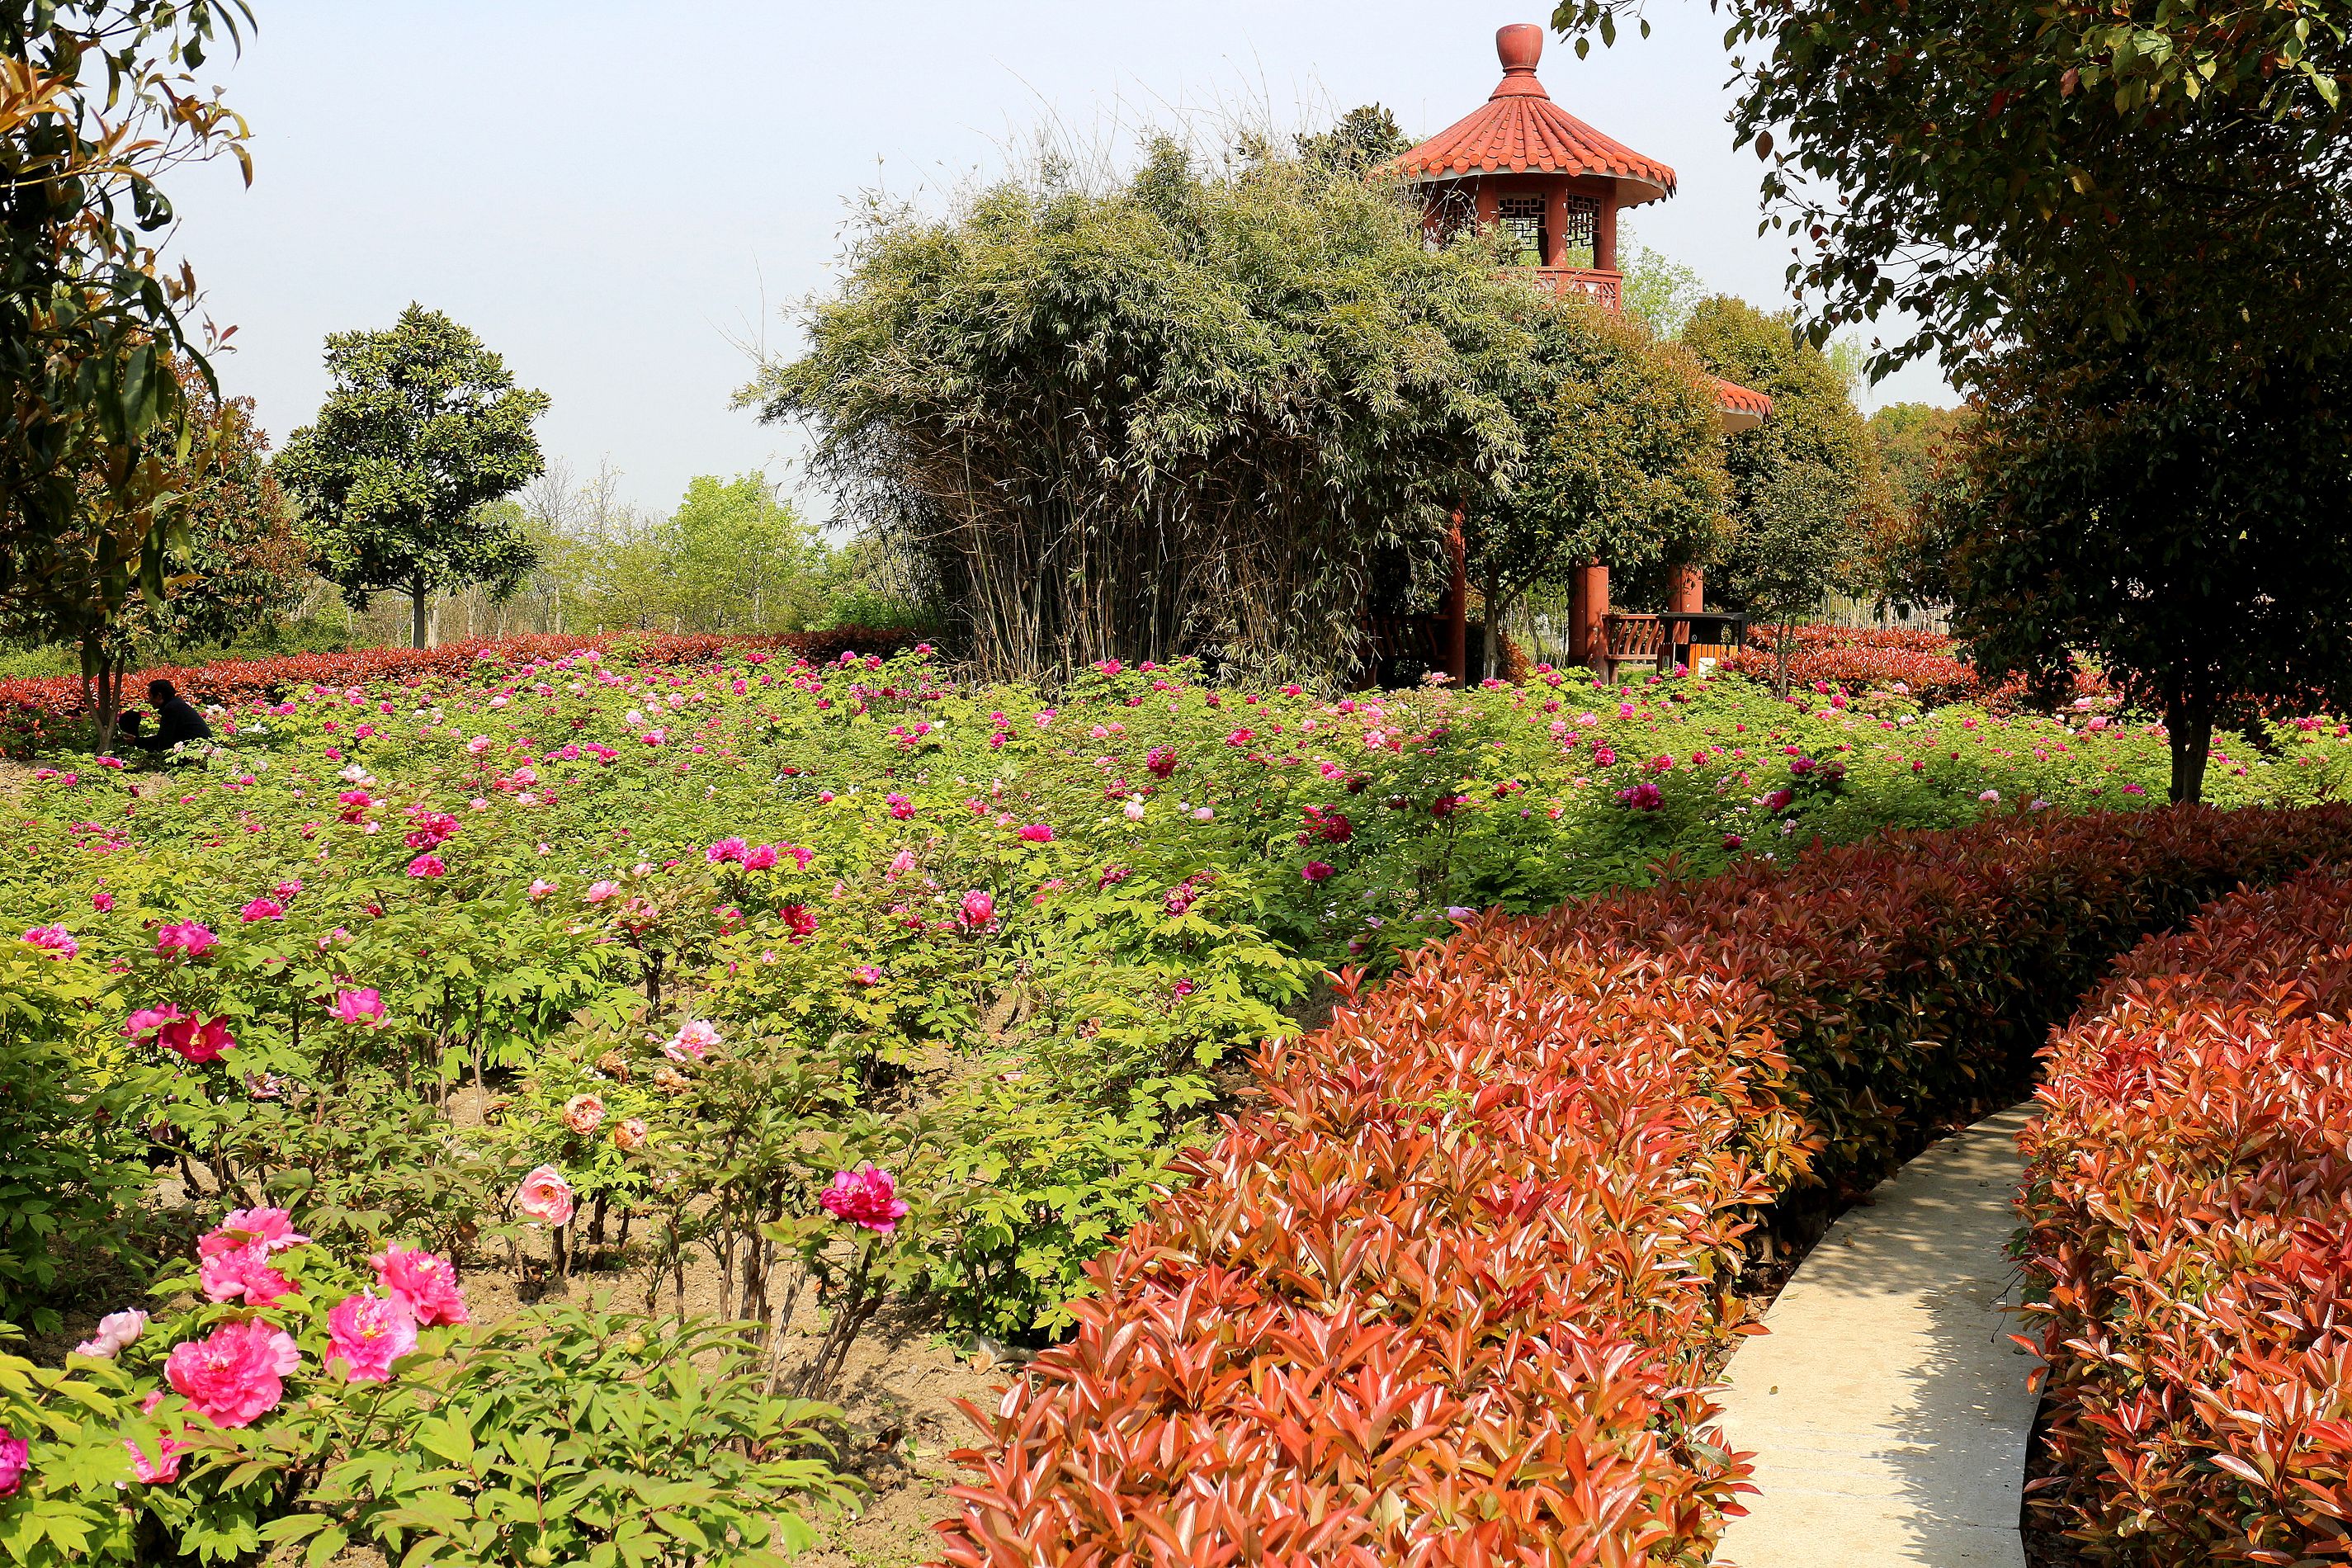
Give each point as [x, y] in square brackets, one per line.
[617, 196]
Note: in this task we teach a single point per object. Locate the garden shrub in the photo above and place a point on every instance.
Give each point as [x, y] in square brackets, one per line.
[2190, 1200]
[1454, 1288]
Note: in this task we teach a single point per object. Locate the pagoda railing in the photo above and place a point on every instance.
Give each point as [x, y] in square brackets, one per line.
[1678, 636]
[1606, 289]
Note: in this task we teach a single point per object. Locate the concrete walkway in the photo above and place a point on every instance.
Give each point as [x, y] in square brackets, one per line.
[1887, 1408]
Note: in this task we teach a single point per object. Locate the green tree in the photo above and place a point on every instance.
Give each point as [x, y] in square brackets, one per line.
[738, 559]
[1623, 463]
[424, 427]
[1815, 428]
[1908, 556]
[97, 105]
[1364, 139]
[1796, 544]
[230, 556]
[1660, 292]
[1215, 411]
[2105, 511]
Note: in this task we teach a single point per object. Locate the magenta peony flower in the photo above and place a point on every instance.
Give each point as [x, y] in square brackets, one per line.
[1643, 796]
[799, 920]
[725, 850]
[867, 1197]
[427, 865]
[116, 1333]
[288, 888]
[362, 1006]
[426, 1284]
[186, 936]
[368, 1332]
[1037, 833]
[584, 1113]
[53, 940]
[103, 902]
[198, 1042]
[759, 856]
[262, 910]
[1316, 871]
[235, 1375]
[545, 1195]
[14, 1462]
[900, 807]
[1160, 763]
[977, 909]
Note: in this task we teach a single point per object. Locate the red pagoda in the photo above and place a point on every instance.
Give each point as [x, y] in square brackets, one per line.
[1524, 164]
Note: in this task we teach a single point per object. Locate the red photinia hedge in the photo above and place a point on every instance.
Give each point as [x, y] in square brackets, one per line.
[1452, 1293]
[2190, 1200]
[37, 710]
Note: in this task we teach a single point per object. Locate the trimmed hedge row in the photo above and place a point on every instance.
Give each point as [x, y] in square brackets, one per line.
[2190, 1204]
[37, 712]
[1454, 1292]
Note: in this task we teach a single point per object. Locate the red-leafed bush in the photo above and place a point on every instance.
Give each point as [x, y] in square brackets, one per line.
[1451, 1293]
[39, 711]
[2190, 1198]
[1926, 665]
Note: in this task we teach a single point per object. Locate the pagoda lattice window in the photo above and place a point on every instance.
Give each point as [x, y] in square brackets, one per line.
[1524, 217]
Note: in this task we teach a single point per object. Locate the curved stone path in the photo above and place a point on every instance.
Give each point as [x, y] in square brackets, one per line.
[1887, 1407]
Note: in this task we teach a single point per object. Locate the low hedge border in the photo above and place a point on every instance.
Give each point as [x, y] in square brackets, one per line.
[2190, 1200]
[1454, 1290]
[39, 712]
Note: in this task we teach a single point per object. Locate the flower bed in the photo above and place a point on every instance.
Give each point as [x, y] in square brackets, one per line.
[1459, 1282]
[35, 713]
[2190, 1204]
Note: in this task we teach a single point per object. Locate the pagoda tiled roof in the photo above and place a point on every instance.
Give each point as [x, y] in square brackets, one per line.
[1520, 129]
[1731, 395]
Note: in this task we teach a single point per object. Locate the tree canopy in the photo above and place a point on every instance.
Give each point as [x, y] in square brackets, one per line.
[423, 428]
[1623, 463]
[1201, 409]
[97, 105]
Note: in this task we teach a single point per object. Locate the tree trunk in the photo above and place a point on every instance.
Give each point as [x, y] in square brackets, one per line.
[1493, 640]
[420, 625]
[1457, 606]
[2189, 720]
[102, 690]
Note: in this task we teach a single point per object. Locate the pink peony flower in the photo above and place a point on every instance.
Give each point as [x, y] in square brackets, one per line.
[101, 901]
[977, 909]
[165, 1465]
[426, 1284]
[599, 891]
[867, 1197]
[629, 1133]
[725, 850]
[235, 1374]
[262, 910]
[692, 1042]
[759, 856]
[584, 1113]
[1037, 833]
[53, 940]
[147, 1022]
[288, 888]
[116, 1333]
[427, 865]
[362, 1006]
[368, 1332]
[545, 1195]
[184, 936]
[15, 1461]
[272, 1229]
[866, 974]
[540, 889]
[1315, 870]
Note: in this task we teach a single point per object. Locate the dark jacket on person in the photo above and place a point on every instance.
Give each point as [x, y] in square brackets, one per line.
[176, 719]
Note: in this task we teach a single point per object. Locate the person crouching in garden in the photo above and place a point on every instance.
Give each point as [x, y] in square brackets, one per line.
[176, 719]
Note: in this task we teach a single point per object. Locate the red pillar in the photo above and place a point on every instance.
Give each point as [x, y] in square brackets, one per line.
[1457, 605]
[1687, 593]
[1590, 609]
